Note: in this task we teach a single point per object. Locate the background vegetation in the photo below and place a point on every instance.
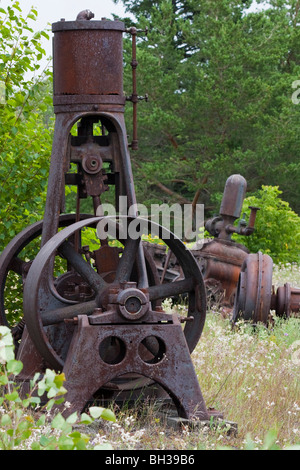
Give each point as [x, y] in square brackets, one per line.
[25, 127]
[220, 84]
[219, 81]
[277, 226]
[249, 374]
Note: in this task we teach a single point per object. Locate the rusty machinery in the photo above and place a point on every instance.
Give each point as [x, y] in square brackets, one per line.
[238, 280]
[244, 279]
[256, 297]
[93, 310]
[220, 258]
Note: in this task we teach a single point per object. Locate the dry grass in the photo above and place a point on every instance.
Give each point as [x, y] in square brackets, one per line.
[289, 272]
[250, 375]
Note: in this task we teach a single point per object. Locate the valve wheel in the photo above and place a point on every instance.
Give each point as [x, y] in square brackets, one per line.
[44, 312]
[254, 289]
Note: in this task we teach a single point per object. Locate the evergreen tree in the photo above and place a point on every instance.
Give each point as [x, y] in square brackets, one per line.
[220, 83]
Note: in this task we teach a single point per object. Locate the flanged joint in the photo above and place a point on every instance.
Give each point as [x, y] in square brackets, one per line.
[132, 303]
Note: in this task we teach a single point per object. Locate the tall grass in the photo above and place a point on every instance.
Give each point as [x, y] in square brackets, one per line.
[247, 374]
[250, 374]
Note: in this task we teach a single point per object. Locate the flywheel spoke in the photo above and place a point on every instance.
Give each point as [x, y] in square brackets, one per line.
[163, 291]
[127, 260]
[82, 267]
[44, 311]
[69, 312]
[17, 265]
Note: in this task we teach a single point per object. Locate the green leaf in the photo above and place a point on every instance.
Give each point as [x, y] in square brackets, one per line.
[14, 366]
[85, 419]
[23, 426]
[3, 380]
[270, 441]
[35, 446]
[59, 380]
[104, 446]
[96, 411]
[65, 443]
[13, 396]
[26, 402]
[58, 421]
[50, 404]
[52, 392]
[41, 421]
[45, 35]
[35, 400]
[104, 413]
[6, 420]
[72, 419]
[45, 441]
[108, 415]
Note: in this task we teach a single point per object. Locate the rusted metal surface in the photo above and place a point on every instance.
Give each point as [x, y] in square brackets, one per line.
[40, 300]
[221, 262]
[134, 97]
[223, 226]
[85, 15]
[286, 301]
[254, 290]
[93, 310]
[120, 307]
[10, 260]
[238, 281]
[88, 62]
[133, 355]
[220, 259]
[256, 298]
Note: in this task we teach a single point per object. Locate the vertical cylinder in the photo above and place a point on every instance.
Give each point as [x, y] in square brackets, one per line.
[233, 196]
[88, 62]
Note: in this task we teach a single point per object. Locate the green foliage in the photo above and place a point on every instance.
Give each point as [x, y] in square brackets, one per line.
[277, 227]
[219, 80]
[25, 126]
[268, 444]
[47, 429]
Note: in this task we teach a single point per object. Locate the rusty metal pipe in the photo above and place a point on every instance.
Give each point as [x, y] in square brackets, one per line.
[250, 227]
[69, 312]
[134, 96]
[286, 301]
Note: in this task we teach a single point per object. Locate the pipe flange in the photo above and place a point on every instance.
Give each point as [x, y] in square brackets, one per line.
[254, 289]
[283, 301]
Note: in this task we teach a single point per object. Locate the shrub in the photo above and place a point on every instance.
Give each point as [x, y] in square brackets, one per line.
[22, 428]
[277, 227]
